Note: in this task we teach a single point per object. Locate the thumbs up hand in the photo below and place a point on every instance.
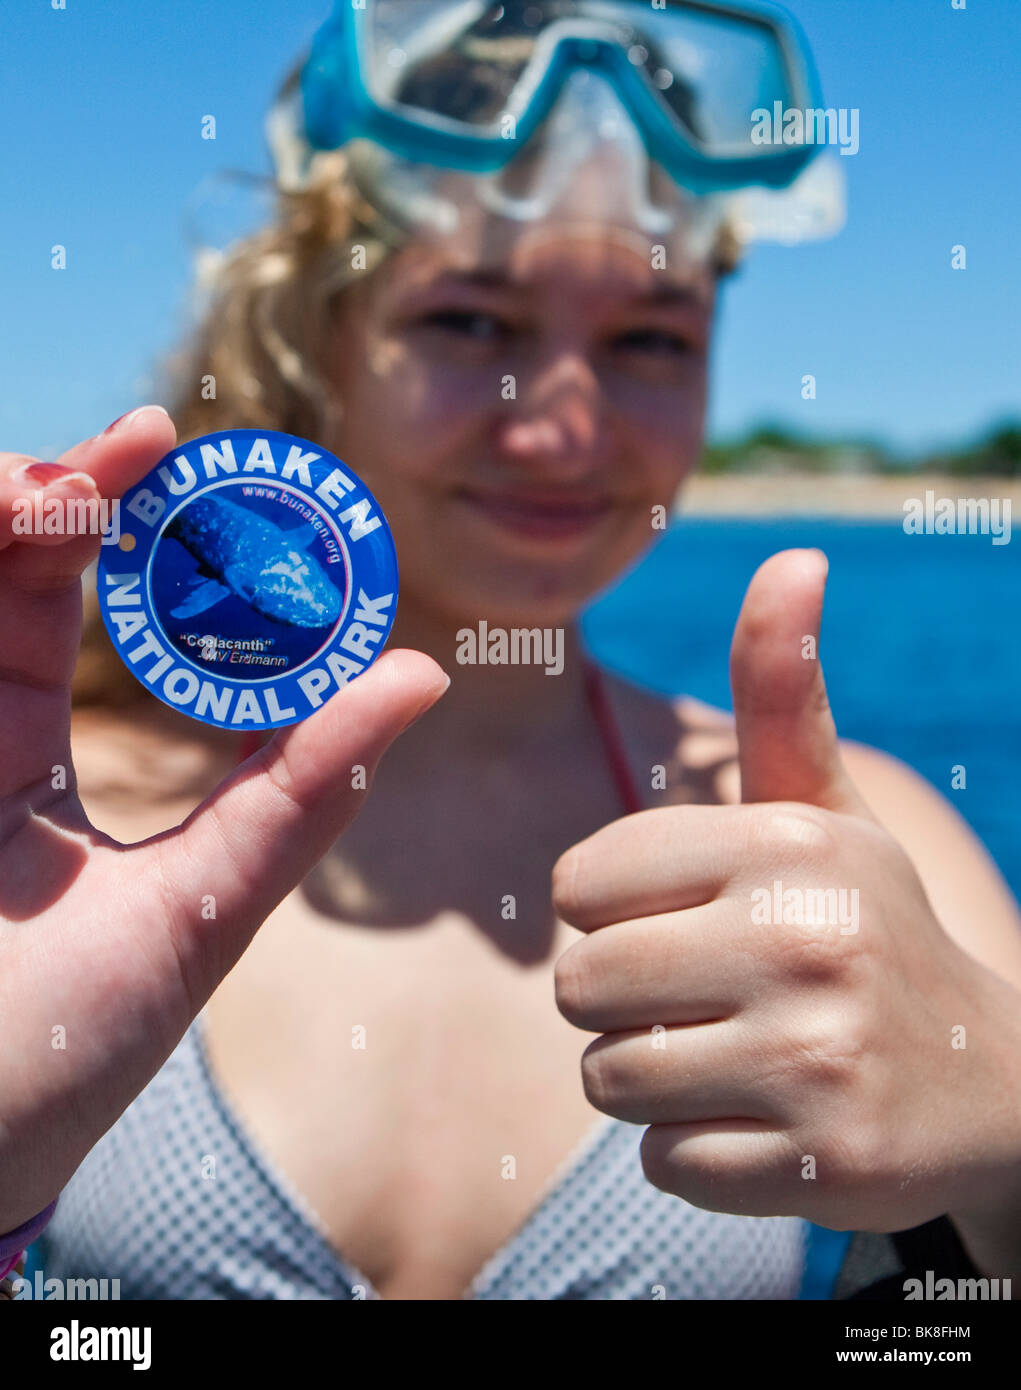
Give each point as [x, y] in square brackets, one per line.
[776, 997]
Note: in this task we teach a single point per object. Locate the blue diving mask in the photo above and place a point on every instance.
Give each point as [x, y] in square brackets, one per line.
[639, 114]
[466, 83]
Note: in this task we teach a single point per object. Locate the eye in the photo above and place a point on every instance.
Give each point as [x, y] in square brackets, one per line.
[655, 341]
[468, 323]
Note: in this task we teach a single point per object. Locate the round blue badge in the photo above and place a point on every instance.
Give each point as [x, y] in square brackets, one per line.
[247, 578]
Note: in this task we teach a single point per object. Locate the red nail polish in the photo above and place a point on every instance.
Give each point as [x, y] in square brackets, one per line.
[41, 473]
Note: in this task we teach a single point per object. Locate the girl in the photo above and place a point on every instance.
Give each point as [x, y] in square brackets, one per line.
[377, 1095]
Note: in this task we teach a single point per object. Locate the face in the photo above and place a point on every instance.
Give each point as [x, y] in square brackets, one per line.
[520, 415]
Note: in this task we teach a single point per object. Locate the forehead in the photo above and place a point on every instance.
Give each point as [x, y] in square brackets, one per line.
[553, 261]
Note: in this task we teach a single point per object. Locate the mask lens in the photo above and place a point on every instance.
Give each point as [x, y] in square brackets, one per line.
[713, 71]
[462, 62]
[474, 62]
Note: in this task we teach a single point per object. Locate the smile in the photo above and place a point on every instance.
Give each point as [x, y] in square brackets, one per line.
[536, 514]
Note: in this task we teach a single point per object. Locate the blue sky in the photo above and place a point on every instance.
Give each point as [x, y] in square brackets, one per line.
[100, 111]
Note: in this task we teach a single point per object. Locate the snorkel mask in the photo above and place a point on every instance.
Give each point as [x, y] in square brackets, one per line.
[636, 115]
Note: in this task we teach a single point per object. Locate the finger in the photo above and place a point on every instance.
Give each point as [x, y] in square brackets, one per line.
[787, 741]
[40, 591]
[675, 968]
[28, 488]
[664, 1075]
[738, 1165]
[649, 862]
[113, 460]
[267, 825]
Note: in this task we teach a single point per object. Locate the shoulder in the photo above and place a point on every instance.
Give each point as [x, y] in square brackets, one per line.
[963, 884]
[693, 742]
[927, 824]
[910, 807]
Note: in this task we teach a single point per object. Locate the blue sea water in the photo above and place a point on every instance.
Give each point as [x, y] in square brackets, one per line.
[919, 644]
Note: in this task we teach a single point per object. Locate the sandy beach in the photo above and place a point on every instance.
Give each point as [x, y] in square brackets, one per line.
[873, 496]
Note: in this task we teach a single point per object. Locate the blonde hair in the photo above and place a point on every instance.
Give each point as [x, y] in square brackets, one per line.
[264, 325]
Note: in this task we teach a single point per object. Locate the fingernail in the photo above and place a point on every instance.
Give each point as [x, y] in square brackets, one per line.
[122, 420]
[39, 474]
[42, 474]
[442, 690]
[433, 698]
[426, 705]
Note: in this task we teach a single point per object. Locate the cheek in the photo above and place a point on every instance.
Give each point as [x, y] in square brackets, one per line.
[405, 416]
[663, 424]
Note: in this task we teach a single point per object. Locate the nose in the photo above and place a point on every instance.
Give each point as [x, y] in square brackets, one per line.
[555, 426]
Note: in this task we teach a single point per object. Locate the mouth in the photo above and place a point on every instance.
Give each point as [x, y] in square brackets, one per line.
[544, 516]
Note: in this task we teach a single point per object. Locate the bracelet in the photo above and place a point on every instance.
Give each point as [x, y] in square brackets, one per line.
[14, 1244]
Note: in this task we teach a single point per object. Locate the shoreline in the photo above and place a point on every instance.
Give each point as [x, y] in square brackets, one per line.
[876, 497]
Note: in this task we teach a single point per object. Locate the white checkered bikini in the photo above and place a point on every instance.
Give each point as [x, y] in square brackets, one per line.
[143, 1208]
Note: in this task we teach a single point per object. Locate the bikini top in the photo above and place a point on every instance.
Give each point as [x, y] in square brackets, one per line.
[177, 1201]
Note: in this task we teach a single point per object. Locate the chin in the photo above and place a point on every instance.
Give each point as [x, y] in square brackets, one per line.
[463, 576]
[533, 600]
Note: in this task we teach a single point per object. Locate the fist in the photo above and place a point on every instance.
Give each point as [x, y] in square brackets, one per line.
[775, 995]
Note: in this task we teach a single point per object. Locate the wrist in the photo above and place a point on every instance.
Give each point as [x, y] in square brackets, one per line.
[13, 1243]
[7, 1282]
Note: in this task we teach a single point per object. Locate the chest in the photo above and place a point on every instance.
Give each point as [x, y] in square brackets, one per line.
[390, 1042]
[421, 1101]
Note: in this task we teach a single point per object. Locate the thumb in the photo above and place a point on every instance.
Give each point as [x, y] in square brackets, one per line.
[271, 821]
[787, 741]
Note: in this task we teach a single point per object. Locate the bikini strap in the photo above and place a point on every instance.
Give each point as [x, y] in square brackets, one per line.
[613, 742]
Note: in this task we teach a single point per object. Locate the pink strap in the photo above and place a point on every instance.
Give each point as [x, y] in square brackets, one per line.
[613, 741]
[4, 1271]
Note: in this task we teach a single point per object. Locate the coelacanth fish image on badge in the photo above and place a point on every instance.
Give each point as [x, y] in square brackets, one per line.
[244, 555]
[255, 575]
